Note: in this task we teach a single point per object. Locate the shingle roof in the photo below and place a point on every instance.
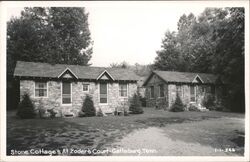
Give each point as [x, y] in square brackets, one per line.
[35, 69]
[184, 77]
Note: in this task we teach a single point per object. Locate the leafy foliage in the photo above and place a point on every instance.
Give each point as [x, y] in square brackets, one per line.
[193, 108]
[178, 106]
[99, 113]
[26, 109]
[209, 102]
[135, 105]
[88, 106]
[212, 42]
[50, 34]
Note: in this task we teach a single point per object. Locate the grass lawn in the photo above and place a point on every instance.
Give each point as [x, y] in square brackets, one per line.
[102, 132]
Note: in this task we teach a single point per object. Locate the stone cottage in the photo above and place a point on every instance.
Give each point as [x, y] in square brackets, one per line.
[162, 88]
[63, 87]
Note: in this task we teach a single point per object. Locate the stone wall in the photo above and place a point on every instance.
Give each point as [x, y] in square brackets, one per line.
[54, 100]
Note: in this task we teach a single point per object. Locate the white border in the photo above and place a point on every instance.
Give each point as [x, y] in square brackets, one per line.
[70, 95]
[46, 93]
[3, 11]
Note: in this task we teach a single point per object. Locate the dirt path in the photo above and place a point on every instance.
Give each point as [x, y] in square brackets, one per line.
[170, 140]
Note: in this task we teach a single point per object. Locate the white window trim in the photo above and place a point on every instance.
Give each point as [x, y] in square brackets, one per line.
[99, 97]
[47, 94]
[87, 85]
[70, 104]
[194, 94]
[119, 92]
[160, 92]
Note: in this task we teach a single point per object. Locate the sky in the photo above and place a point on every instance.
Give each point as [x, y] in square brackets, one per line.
[129, 32]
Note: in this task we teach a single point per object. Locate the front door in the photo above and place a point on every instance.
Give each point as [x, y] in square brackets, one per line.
[103, 93]
[66, 93]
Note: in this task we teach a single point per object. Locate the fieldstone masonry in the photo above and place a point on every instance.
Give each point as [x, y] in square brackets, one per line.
[54, 100]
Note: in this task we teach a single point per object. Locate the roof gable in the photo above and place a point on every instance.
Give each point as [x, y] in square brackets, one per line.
[67, 73]
[105, 76]
[197, 79]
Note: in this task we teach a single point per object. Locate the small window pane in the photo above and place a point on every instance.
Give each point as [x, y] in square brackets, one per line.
[40, 89]
[123, 90]
[85, 87]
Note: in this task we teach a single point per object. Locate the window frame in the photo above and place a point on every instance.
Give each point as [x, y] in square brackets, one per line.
[85, 84]
[47, 89]
[126, 90]
[194, 94]
[160, 90]
[99, 93]
[67, 104]
[152, 96]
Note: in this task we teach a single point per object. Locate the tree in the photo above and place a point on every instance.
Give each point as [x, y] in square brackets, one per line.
[178, 105]
[135, 105]
[213, 42]
[88, 106]
[51, 34]
[26, 108]
[123, 65]
[169, 57]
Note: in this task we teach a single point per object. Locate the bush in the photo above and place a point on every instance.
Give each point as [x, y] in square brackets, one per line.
[193, 108]
[26, 109]
[178, 105]
[209, 102]
[135, 105]
[99, 113]
[81, 114]
[88, 106]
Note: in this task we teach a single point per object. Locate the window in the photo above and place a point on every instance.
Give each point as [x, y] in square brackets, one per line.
[66, 93]
[123, 90]
[103, 93]
[192, 93]
[152, 93]
[161, 90]
[85, 87]
[41, 89]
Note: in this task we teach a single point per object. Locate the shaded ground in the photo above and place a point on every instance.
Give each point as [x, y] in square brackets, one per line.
[82, 135]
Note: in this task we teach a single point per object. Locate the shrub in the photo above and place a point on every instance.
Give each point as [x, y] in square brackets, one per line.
[193, 108]
[81, 114]
[88, 106]
[99, 113]
[26, 109]
[135, 105]
[209, 102]
[178, 105]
